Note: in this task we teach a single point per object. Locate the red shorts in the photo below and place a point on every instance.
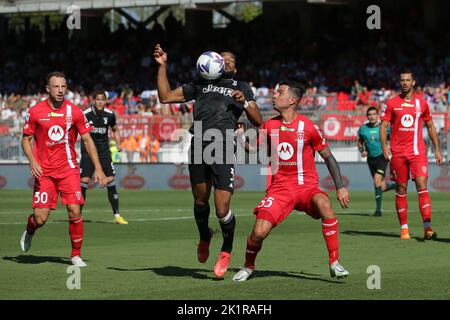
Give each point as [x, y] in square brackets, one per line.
[281, 200]
[46, 190]
[401, 166]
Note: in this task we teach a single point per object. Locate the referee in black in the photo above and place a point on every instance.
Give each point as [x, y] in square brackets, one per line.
[218, 105]
[101, 119]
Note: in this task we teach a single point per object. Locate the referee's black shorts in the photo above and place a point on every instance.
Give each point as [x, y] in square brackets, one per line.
[87, 167]
[220, 173]
[377, 165]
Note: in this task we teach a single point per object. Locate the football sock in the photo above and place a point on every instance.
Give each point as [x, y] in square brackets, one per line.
[251, 252]
[330, 234]
[378, 198]
[113, 196]
[425, 207]
[390, 186]
[401, 203]
[31, 225]
[76, 235]
[201, 215]
[227, 224]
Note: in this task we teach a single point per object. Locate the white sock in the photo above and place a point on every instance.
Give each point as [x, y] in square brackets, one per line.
[404, 226]
[117, 215]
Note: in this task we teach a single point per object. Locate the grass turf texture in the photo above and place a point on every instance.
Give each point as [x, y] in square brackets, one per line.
[154, 257]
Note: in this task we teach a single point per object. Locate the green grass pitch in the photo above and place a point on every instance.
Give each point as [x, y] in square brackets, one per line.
[154, 257]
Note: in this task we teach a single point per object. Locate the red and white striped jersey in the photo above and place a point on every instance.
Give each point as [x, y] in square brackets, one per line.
[293, 146]
[406, 118]
[55, 132]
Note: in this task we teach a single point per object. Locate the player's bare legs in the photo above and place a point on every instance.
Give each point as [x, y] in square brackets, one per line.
[324, 210]
[425, 207]
[222, 199]
[401, 204]
[35, 221]
[201, 193]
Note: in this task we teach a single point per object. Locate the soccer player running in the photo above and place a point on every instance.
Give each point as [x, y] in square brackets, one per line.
[406, 114]
[370, 146]
[292, 140]
[54, 125]
[218, 105]
[101, 119]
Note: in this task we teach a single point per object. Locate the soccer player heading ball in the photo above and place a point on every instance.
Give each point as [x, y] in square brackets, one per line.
[218, 106]
[54, 125]
[295, 185]
[406, 114]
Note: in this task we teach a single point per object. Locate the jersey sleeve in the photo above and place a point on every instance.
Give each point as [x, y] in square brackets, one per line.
[247, 91]
[426, 115]
[386, 114]
[29, 126]
[189, 91]
[81, 122]
[317, 138]
[113, 120]
[360, 134]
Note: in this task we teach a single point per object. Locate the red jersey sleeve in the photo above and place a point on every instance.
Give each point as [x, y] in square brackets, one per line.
[81, 122]
[317, 138]
[29, 126]
[386, 114]
[426, 114]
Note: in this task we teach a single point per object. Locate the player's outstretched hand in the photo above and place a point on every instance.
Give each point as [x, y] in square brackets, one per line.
[159, 55]
[238, 96]
[438, 156]
[99, 176]
[35, 169]
[343, 197]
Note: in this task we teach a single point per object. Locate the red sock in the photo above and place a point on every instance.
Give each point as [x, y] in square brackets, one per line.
[401, 203]
[76, 235]
[425, 206]
[31, 225]
[330, 234]
[251, 252]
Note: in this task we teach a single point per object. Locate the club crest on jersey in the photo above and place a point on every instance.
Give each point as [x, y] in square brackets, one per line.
[300, 135]
[55, 133]
[407, 120]
[285, 150]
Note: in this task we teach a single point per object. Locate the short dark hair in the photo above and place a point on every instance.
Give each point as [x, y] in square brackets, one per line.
[405, 71]
[370, 109]
[230, 53]
[295, 87]
[57, 74]
[98, 92]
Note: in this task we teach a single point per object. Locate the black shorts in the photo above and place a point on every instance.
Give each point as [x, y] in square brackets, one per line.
[220, 175]
[87, 167]
[377, 165]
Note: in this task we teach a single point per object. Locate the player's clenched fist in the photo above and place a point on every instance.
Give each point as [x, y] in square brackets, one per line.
[238, 96]
[343, 197]
[159, 54]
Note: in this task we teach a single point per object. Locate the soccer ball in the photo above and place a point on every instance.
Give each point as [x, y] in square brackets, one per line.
[210, 65]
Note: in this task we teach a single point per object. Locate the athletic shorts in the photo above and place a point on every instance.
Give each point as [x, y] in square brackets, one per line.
[377, 165]
[46, 190]
[87, 167]
[219, 175]
[402, 166]
[281, 200]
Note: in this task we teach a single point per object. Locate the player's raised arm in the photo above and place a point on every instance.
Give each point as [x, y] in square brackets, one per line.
[35, 168]
[435, 140]
[333, 167]
[92, 152]
[165, 94]
[383, 139]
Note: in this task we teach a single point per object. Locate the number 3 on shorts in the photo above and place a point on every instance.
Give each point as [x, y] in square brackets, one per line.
[40, 197]
[266, 203]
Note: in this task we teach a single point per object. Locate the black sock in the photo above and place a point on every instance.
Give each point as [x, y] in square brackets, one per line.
[113, 197]
[227, 225]
[201, 215]
[83, 191]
